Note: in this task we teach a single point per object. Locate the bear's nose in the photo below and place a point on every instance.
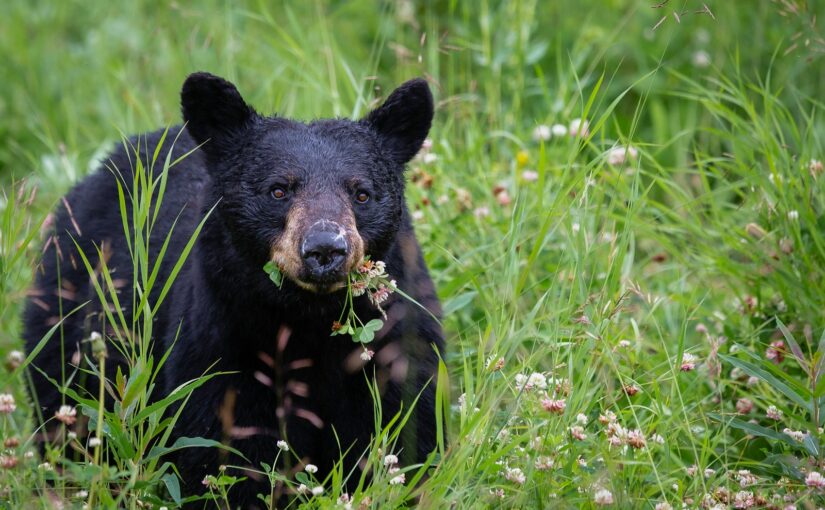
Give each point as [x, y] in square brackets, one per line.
[324, 252]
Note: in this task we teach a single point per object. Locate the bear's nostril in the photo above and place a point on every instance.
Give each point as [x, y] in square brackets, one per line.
[324, 252]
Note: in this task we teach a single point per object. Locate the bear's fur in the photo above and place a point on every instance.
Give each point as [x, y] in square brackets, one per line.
[270, 181]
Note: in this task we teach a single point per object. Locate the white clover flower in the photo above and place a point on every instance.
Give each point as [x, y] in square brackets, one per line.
[282, 445]
[581, 419]
[390, 460]
[398, 479]
[558, 129]
[701, 59]
[793, 215]
[603, 497]
[542, 133]
[618, 156]
[773, 413]
[94, 442]
[579, 127]
[515, 475]
[7, 404]
[66, 414]
[318, 490]
[815, 480]
[311, 469]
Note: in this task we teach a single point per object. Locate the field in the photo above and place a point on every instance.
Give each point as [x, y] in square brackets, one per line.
[621, 208]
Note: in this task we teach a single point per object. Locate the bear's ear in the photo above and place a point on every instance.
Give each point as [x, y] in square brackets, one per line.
[404, 119]
[213, 110]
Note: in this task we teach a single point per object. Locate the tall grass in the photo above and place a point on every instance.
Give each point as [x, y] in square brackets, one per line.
[551, 257]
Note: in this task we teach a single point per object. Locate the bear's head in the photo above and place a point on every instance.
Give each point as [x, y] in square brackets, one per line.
[315, 198]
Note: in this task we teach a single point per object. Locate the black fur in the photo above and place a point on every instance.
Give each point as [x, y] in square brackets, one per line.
[229, 313]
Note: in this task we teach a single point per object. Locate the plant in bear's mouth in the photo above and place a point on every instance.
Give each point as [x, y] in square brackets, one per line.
[370, 278]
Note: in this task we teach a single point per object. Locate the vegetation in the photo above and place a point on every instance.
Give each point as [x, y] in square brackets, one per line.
[621, 206]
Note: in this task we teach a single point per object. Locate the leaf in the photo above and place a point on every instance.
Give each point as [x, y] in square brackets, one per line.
[173, 486]
[773, 381]
[758, 430]
[190, 442]
[795, 349]
[458, 302]
[274, 272]
[366, 333]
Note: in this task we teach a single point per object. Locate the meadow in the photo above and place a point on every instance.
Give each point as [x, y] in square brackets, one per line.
[621, 205]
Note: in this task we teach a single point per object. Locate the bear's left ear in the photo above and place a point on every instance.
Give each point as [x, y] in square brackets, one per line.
[214, 111]
[404, 119]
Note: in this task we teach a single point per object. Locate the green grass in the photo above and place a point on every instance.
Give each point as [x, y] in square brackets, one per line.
[599, 276]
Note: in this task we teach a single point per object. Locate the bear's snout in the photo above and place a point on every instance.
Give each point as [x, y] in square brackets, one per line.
[324, 251]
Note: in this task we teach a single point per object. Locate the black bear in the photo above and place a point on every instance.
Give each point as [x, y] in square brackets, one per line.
[317, 199]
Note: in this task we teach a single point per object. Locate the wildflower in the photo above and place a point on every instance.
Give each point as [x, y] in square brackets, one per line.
[530, 175]
[815, 167]
[418, 215]
[11, 442]
[367, 355]
[793, 215]
[82, 494]
[636, 439]
[535, 380]
[558, 129]
[701, 59]
[94, 442]
[708, 472]
[481, 212]
[515, 475]
[776, 351]
[752, 380]
[544, 463]
[311, 469]
[14, 359]
[7, 405]
[399, 479]
[657, 438]
[663, 506]
[786, 245]
[773, 413]
[8, 461]
[318, 490]
[578, 433]
[503, 198]
[464, 198]
[390, 460]
[541, 133]
[581, 419]
[210, 482]
[796, 435]
[746, 478]
[815, 480]
[554, 406]
[495, 367]
[624, 344]
[579, 127]
[66, 414]
[618, 156]
[688, 362]
[692, 470]
[345, 499]
[302, 489]
[282, 445]
[522, 158]
[607, 417]
[631, 389]
[744, 406]
[381, 293]
[701, 329]
[603, 497]
[45, 467]
[755, 231]
[743, 499]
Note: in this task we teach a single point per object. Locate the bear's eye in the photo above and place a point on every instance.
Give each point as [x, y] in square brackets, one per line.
[278, 193]
[362, 197]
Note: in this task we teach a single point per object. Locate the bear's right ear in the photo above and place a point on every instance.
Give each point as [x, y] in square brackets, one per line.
[214, 111]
